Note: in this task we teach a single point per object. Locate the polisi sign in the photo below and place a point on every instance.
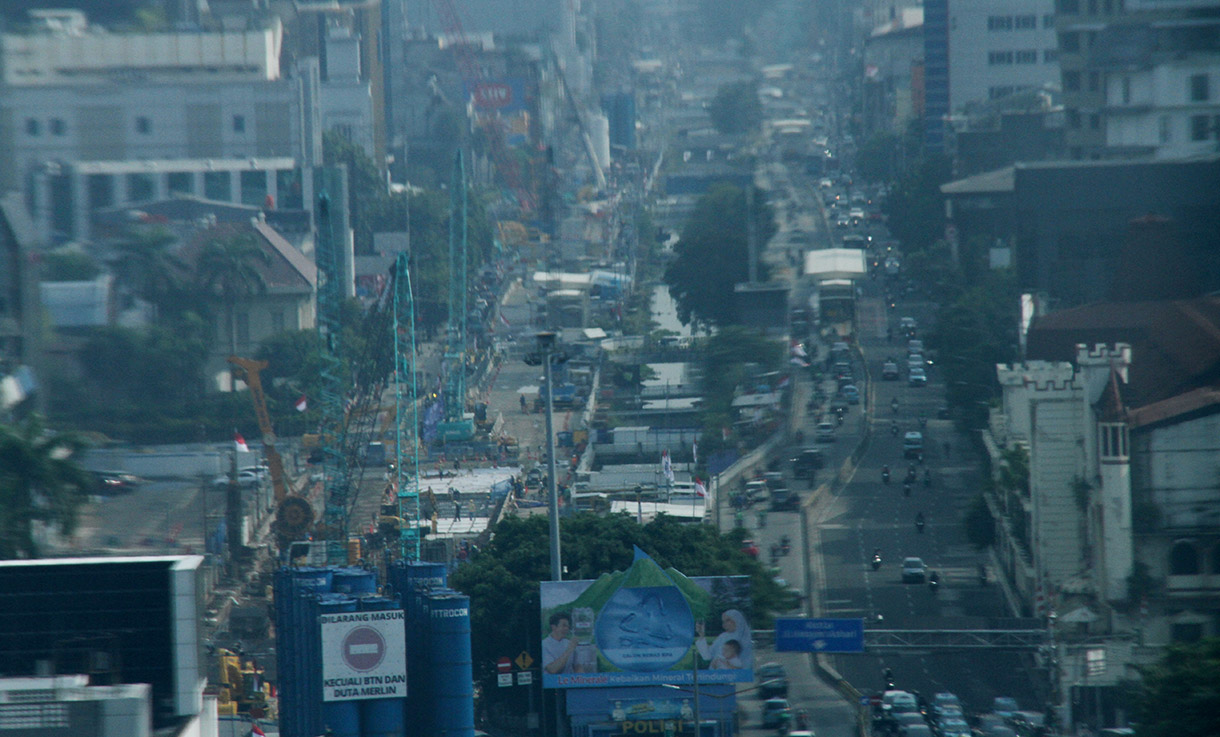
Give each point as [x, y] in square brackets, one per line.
[493, 95]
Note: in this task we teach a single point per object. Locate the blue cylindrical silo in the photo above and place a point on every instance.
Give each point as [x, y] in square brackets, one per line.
[341, 718]
[412, 580]
[295, 591]
[381, 717]
[452, 694]
[354, 581]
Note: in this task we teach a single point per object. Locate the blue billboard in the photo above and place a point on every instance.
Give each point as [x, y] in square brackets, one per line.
[819, 635]
[646, 626]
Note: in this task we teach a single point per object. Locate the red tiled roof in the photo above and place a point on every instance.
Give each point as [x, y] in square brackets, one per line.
[1175, 345]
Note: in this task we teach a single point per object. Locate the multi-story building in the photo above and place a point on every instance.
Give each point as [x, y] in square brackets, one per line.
[1116, 541]
[892, 54]
[978, 50]
[75, 97]
[1132, 66]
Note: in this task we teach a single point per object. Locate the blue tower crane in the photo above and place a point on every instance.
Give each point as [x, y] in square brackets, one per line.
[455, 427]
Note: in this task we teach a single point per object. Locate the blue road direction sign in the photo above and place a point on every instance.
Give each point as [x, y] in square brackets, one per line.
[819, 635]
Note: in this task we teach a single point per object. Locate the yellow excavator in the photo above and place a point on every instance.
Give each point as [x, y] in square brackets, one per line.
[294, 516]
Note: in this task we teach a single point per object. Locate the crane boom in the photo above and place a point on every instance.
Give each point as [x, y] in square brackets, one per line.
[292, 519]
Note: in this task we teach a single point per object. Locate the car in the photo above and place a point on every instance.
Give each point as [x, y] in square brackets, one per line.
[948, 712]
[1004, 706]
[953, 727]
[915, 730]
[988, 723]
[756, 490]
[246, 479]
[915, 361]
[114, 482]
[772, 680]
[1028, 723]
[806, 463]
[263, 472]
[856, 214]
[850, 393]
[907, 326]
[889, 371]
[824, 433]
[750, 548]
[895, 701]
[917, 377]
[904, 718]
[914, 570]
[945, 699]
[914, 347]
[775, 711]
[842, 221]
[825, 183]
[912, 444]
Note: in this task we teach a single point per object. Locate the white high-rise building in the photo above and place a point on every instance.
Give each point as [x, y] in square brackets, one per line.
[998, 47]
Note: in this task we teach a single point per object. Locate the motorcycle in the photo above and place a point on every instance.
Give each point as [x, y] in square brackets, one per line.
[906, 489]
[894, 406]
[785, 545]
[876, 560]
[885, 477]
[840, 418]
[927, 478]
[934, 582]
[919, 522]
[894, 429]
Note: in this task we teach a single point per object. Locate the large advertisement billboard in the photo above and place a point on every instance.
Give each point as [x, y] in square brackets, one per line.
[646, 626]
[364, 655]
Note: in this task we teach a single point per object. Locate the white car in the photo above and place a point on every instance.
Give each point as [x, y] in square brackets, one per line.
[914, 570]
[246, 479]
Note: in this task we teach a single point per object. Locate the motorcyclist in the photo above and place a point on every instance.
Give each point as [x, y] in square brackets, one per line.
[876, 558]
[934, 580]
[894, 405]
[894, 428]
[885, 474]
[927, 477]
[906, 489]
[919, 521]
[785, 544]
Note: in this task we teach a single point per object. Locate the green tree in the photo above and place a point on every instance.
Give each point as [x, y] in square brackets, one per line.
[502, 581]
[980, 526]
[366, 187]
[228, 269]
[916, 207]
[149, 369]
[1180, 695]
[40, 484]
[713, 254]
[69, 265]
[148, 267]
[735, 108]
[725, 360]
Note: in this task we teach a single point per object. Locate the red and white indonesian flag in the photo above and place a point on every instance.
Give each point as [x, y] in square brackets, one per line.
[240, 443]
[301, 404]
[700, 489]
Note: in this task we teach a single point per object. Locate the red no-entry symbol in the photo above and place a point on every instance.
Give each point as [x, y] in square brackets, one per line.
[363, 648]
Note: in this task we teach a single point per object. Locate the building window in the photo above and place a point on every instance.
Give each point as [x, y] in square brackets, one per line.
[1166, 127]
[181, 182]
[1071, 81]
[1026, 22]
[1092, 7]
[1048, 20]
[999, 22]
[239, 124]
[1199, 127]
[58, 127]
[139, 187]
[1113, 440]
[1094, 81]
[1068, 7]
[1027, 56]
[1069, 42]
[997, 58]
[101, 190]
[217, 186]
[1183, 559]
[1198, 88]
[143, 125]
[1126, 90]
[32, 127]
[1094, 121]
[995, 93]
[1186, 632]
[1050, 56]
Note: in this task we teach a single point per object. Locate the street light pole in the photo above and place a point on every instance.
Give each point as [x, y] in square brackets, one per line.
[546, 345]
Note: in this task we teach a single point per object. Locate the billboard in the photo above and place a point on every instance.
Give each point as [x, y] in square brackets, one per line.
[364, 655]
[646, 626]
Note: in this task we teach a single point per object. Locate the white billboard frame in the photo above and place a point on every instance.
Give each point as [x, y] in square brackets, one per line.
[364, 655]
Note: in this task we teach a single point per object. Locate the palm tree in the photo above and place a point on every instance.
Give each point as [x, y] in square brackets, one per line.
[40, 482]
[149, 268]
[227, 269]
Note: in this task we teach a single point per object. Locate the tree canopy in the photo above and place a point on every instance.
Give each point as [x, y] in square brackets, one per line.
[502, 580]
[40, 484]
[712, 254]
[1180, 695]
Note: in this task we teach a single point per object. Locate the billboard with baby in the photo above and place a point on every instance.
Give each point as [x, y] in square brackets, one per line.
[646, 625]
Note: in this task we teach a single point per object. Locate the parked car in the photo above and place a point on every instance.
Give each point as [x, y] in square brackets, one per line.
[772, 680]
[246, 479]
[914, 570]
[114, 482]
